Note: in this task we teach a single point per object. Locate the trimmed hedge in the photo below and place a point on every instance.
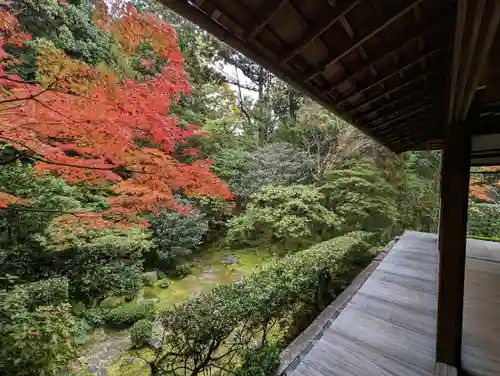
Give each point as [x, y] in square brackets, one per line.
[489, 239]
[237, 319]
[129, 313]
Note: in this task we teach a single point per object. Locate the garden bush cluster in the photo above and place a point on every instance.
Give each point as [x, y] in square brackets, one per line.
[229, 327]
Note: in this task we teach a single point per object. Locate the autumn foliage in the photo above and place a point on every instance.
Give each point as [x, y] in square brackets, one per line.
[89, 126]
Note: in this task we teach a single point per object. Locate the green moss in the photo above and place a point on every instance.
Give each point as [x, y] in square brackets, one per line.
[208, 271]
[111, 302]
[137, 368]
[147, 293]
[131, 365]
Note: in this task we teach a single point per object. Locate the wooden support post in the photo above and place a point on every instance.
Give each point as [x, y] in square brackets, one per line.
[452, 242]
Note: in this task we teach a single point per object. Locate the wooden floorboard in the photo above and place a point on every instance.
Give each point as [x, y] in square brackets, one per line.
[481, 326]
[389, 327]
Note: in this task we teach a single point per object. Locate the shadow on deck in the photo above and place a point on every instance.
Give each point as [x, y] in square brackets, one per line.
[388, 327]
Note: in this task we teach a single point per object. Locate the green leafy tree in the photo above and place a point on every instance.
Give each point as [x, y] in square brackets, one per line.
[177, 234]
[361, 196]
[274, 164]
[416, 182]
[291, 216]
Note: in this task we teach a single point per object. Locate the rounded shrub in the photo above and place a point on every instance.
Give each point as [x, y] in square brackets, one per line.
[164, 283]
[260, 361]
[182, 270]
[141, 332]
[129, 313]
[177, 234]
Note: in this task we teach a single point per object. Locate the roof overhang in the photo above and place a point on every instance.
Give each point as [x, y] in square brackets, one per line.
[396, 69]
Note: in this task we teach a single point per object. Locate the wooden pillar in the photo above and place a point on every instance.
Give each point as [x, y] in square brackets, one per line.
[455, 170]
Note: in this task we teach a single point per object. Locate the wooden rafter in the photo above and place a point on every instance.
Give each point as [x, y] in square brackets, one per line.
[405, 84]
[362, 40]
[404, 98]
[486, 36]
[471, 39]
[457, 50]
[421, 102]
[389, 51]
[406, 115]
[475, 28]
[267, 14]
[393, 74]
[316, 32]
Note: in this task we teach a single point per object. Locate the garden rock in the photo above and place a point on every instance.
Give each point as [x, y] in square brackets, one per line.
[155, 343]
[150, 277]
[229, 260]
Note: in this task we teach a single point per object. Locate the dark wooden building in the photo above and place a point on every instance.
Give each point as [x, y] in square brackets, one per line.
[412, 74]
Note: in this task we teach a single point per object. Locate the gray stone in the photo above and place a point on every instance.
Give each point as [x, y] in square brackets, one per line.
[98, 371]
[208, 276]
[127, 361]
[240, 277]
[155, 343]
[150, 300]
[229, 260]
[151, 277]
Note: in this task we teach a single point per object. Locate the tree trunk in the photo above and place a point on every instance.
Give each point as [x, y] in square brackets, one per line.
[262, 127]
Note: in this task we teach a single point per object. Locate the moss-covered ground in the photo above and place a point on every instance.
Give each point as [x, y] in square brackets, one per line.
[208, 271]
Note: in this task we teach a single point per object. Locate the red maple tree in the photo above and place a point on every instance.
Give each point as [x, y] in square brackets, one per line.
[85, 125]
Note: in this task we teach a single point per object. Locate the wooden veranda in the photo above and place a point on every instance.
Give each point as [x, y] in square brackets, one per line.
[412, 74]
[388, 325]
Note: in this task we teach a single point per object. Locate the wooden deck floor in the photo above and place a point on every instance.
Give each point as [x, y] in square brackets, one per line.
[388, 328]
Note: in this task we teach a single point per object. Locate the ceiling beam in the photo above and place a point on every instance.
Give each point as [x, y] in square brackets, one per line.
[404, 98]
[385, 54]
[395, 73]
[407, 83]
[380, 120]
[381, 57]
[457, 51]
[361, 40]
[486, 37]
[404, 116]
[267, 14]
[316, 32]
[472, 26]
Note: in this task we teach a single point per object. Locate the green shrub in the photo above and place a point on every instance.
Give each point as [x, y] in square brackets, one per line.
[141, 332]
[293, 216]
[183, 270]
[164, 283]
[111, 302]
[176, 234]
[80, 330]
[78, 308]
[95, 316]
[47, 292]
[260, 361]
[249, 310]
[98, 263]
[34, 342]
[484, 220]
[129, 313]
